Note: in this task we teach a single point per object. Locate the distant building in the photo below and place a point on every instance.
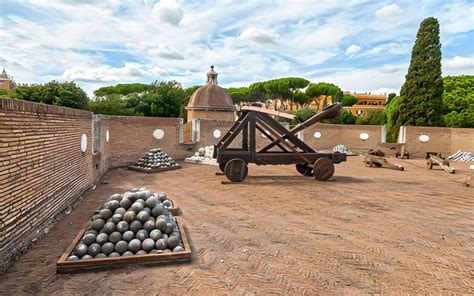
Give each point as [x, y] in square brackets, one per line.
[211, 101]
[6, 81]
[366, 102]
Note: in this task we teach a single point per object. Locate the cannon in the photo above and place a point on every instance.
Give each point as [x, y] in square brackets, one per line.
[285, 147]
[435, 158]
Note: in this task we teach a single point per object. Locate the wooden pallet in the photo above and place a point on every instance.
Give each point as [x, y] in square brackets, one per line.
[64, 266]
[157, 170]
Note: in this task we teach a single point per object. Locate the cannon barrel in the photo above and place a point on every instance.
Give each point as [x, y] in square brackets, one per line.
[329, 112]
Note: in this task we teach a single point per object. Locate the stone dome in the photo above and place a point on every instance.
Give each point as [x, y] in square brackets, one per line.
[211, 96]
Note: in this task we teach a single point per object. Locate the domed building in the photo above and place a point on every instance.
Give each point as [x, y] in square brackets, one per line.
[211, 101]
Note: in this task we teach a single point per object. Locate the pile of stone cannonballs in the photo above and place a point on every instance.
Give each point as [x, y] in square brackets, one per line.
[155, 158]
[136, 222]
[203, 154]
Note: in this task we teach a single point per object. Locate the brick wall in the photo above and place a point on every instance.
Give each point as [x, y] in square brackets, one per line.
[42, 169]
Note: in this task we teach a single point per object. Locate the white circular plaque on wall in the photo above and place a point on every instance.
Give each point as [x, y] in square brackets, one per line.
[317, 135]
[83, 142]
[158, 134]
[424, 138]
[364, 136]
[217, 133]
[107, 136]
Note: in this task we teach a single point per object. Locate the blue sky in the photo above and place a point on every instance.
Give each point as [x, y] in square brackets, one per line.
[358, 45]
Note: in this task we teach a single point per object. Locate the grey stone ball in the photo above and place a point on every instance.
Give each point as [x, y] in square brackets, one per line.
[140, 201]
[93, 249]
[86, 257]
[163, 217]
[155, 234]
[121, 247]
[143, 216]
[135, 226]
[100, 255]
[142, 234]
[128, 235]
[169, 228]
[94, 232]
[116, 196]
[154, 251]
[175, 233]
[133, 197]
[148, 244]
[157, 210]
[167, 251]
[164, 236]
[135, 245]
[116, 218]
[122, 226]
[97, 224]
[167, 204]
[72, 258]
[141, 252]
[114, 254]
[89, 239]
[134, 189]
[151, 202]
[172, 242]
[141, 194]
[105, 213]
[162, 196]
[109, 227]
[149, 226]
[161, 225]
[145, 209]
[178, 249]
[80, 250]
[160, 244]
[96, 216]
[102, 238]
[136, 207]
[115, 237]
[127, 253]
[146, 194]
[112, 205]
[129, 216]
[107, 248]
[120, 211]
[126, 203]
[152, 219]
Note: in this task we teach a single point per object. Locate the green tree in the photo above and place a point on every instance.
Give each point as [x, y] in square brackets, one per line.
[113, 104]
[301, 98]
[121, 89]
[373, 117]
[458, 101]
[390, 97]
[317, 90]
[304, 114]
[165, 99]
[66, 94]
[349, 100]
[295, 84]
[420, 100]
[391, 113]
[239, 94]
[345, 117]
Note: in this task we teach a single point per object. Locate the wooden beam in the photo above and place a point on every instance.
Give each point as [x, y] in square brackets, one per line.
[268, 111]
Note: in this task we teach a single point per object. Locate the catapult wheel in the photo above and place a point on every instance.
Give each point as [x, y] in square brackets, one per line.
[369, 163]
[429, 163]
[222, 166]
[304, 169]
[323, 169]
[236, 170]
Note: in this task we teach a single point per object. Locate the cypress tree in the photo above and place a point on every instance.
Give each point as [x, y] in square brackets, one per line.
[420, 100]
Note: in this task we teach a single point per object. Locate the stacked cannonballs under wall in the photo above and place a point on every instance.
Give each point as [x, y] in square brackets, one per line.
[155, 161]
[135, 227]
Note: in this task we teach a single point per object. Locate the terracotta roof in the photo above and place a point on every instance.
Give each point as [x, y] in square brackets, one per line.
[211, 97]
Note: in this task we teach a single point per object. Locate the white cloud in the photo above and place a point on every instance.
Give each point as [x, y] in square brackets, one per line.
[389, 13]
[353, 49]
[105, 73]
[458, 66]
[166, 52]
[259, 35]
[168, 11]
[457, 17]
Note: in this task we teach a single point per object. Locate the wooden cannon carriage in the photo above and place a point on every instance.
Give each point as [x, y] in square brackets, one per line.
[290, 149]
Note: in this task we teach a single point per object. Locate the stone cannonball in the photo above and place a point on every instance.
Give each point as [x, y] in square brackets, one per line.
[161, 225]
[128, 235]
[80, 250]
[151, 202]
[142, 235]
[102, 238]
[116, 218]
[141, 252]
[112, 205]
[129, 216]
[94, 232]
[97, 224]
[120, 211]
[121, 247]
[157, 210]
[135, 226]
[100, 255]
[93, 249]
[147, 210]
[162, 196]
[169, 228]
[178, 249]
[127, 253]
[116, 196]
[89, 239]
[136, 207]
[72, 258]
[134, 245]
[167, 203]
[115, 237]
[122, 226]
[155, 234]
[172, 242]
[160, 244]
[149, 226]
[148, 244]
[107, 248]
[114, 254]
[143, 216]
[109, 227]
[86, 257]
[105, 213]
[126, 203]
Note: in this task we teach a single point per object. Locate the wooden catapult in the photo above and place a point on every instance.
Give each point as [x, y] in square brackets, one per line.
[435, 158]
[289, 148]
